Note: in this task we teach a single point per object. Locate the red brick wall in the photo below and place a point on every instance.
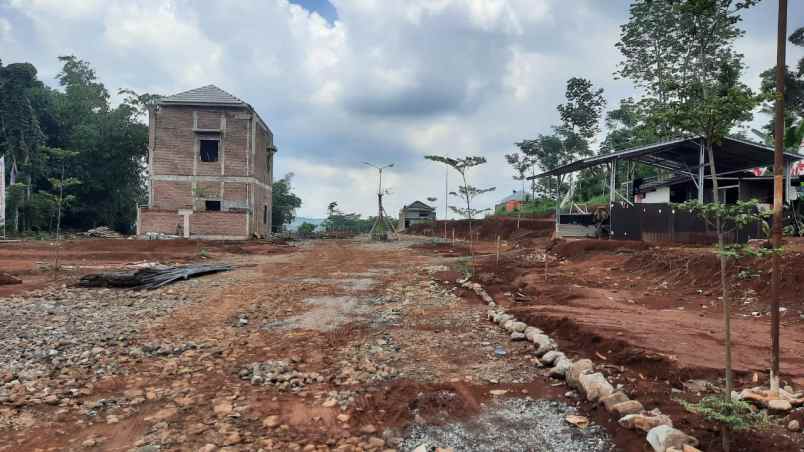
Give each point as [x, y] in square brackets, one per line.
[174, 141]
[236, 145]
[172, 195]
[218, 223]
[175, 146]
[164, 221]
[176, 153]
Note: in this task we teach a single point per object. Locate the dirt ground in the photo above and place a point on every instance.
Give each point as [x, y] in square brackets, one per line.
[352, 345]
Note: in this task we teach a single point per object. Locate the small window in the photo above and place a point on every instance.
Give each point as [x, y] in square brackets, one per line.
[264, 214]
[214, 206]
[209, 151]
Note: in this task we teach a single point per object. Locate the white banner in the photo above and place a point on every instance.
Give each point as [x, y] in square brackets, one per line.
[2, 191]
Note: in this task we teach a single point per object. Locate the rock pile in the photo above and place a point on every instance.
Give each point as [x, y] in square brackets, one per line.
[281, 374]
[362, 373]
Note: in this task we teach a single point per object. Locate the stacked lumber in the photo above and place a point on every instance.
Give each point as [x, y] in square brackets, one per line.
[103, 232]
[150, 278]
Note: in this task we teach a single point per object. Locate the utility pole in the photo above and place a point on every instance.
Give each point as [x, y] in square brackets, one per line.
[380, 221]
[778, 193]
[446, 194]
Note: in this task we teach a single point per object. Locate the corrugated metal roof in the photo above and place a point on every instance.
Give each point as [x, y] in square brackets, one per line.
[682, 155]
[209, 94]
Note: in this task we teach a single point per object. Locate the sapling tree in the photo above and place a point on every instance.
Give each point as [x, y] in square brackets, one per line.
[726, 219]
[466, 192]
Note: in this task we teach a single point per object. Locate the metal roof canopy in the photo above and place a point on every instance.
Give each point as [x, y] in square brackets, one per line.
[683, 156]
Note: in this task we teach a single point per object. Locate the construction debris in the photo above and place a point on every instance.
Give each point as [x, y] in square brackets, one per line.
[150, 278]
[103, 232]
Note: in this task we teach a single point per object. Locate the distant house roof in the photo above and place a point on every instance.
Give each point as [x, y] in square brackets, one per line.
[516, 196]
[212, 96]
[418, 205]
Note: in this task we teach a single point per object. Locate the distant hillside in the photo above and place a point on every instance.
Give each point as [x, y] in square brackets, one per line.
[298, 221]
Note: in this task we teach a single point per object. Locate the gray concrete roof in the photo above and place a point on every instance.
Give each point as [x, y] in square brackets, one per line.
[209, 94]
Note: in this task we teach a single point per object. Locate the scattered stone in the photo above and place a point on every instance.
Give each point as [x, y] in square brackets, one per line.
[595, 386]
[578, 421]
[576, 370]
[498, 392]
[518, 327]
[552, 356]
[627, 407]
[645, 420]
[613, 399]
[223, 408]
[343, 417]
[663, 437]
[280, 374]
[561, 368]
[515, 336]
[544, 344]
[793, 426]
[779, 405]
[272, 421]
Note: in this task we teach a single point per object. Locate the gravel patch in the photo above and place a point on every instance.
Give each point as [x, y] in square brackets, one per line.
[512, 425]
[48, 330]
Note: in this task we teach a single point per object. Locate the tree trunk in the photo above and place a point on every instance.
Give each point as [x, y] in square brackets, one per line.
[724, 288]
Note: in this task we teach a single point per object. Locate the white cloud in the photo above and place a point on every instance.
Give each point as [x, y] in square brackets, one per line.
[387, 81]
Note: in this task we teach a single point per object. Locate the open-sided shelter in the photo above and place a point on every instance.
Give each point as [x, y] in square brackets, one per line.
[642, 209]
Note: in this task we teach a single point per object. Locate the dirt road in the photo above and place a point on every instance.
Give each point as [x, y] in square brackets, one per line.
[333, 345]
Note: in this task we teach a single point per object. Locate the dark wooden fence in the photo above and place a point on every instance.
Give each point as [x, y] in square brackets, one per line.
[663, 223]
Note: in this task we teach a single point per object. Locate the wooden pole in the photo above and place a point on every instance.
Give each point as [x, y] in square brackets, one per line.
[778, 193]
[498, 250]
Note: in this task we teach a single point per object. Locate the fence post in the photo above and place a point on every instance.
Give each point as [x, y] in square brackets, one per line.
[498, 250]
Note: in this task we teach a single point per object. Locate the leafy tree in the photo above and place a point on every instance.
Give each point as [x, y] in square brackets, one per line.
[111, 144]
[283, 202]
[572, 139]
[793, 100]
[306, 229]
[20, 134]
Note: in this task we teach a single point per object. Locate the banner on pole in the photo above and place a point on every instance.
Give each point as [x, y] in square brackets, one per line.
[2, 191]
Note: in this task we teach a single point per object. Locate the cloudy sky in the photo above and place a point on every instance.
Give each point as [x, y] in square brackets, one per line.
[346, 81]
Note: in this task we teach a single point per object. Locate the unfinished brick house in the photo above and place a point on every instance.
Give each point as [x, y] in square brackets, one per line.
[210, 166]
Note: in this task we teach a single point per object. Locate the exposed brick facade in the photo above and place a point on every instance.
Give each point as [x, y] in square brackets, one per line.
[181, 183]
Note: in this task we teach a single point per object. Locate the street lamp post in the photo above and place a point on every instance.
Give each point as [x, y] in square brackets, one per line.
[380, 221]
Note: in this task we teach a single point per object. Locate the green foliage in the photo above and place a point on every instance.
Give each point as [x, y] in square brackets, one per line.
[338, 221]
[571, 139]
[735, 414]
[306, 229]
[732, 217]
[109, 146]
[203, 252]
[539, 207]
[682, 54]
[283, 202]
[793, 98]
